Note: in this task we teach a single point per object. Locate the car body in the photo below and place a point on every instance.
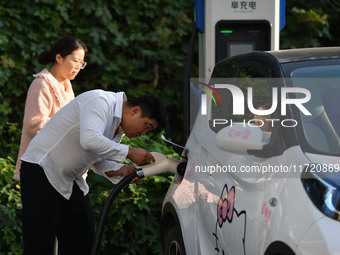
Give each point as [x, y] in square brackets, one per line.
[243, 194]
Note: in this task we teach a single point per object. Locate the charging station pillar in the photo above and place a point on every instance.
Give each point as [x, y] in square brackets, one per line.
[232, 27]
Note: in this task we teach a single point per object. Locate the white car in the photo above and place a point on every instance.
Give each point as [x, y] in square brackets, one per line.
[246, 190]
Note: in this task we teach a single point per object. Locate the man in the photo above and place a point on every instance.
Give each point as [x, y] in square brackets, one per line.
[85, 133]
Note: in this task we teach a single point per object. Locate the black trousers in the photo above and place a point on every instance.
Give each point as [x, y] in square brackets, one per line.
[47, 214]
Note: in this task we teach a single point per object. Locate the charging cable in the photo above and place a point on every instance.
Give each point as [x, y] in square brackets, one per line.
[115, 191]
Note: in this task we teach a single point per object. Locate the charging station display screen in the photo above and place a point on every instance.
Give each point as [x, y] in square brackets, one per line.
[235, 37]
[239, 48]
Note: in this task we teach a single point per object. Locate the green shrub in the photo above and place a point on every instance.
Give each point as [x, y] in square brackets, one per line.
[136, 46]
[10, 135]
[10, 209]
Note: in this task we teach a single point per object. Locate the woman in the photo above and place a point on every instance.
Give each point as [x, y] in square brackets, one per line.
[51, 89]
[264, 122]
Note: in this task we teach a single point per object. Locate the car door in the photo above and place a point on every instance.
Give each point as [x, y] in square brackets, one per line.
[230, 208]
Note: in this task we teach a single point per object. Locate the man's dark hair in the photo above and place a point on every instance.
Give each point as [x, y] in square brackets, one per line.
[152, 107]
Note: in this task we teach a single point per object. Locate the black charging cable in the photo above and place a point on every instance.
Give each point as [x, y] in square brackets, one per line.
[101, 224]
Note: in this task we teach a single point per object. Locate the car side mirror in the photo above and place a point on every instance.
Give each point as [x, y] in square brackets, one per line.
[239, 138]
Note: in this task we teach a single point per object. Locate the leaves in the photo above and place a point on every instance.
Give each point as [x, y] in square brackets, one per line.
[313, 29]
[134, 46]
[10, 208]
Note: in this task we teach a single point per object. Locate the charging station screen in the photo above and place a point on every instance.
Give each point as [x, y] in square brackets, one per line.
[237, 48]
[235, 37]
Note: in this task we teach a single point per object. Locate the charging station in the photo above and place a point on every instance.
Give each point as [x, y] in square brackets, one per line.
[226, 28]
[232, 27]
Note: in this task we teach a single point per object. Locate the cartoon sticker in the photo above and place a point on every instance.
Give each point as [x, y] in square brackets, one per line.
[228, 220]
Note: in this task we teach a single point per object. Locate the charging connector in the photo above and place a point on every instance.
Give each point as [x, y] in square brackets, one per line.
[162, 164]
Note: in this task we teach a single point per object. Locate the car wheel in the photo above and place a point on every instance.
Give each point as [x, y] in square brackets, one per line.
[279, 248]
[174, 244]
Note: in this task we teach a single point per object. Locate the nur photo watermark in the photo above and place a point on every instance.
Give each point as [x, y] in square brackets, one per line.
[236, 103]
[251, 121]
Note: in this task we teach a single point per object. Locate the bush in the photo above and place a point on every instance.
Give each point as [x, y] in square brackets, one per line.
[10, 209]
[9, 139]
[136, 46]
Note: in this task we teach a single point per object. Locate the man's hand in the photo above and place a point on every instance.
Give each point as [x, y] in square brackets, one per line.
[124, 171]
[140, 156]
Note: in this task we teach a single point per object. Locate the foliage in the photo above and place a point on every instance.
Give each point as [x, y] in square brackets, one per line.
[137, 46]
[9, 139]
[10, 200]
[133, 222]
[317, 24]
[10, 209]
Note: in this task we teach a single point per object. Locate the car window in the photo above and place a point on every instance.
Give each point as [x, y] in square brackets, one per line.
[224, 73]
[258, 79]
[248, 75]
[321, 129]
